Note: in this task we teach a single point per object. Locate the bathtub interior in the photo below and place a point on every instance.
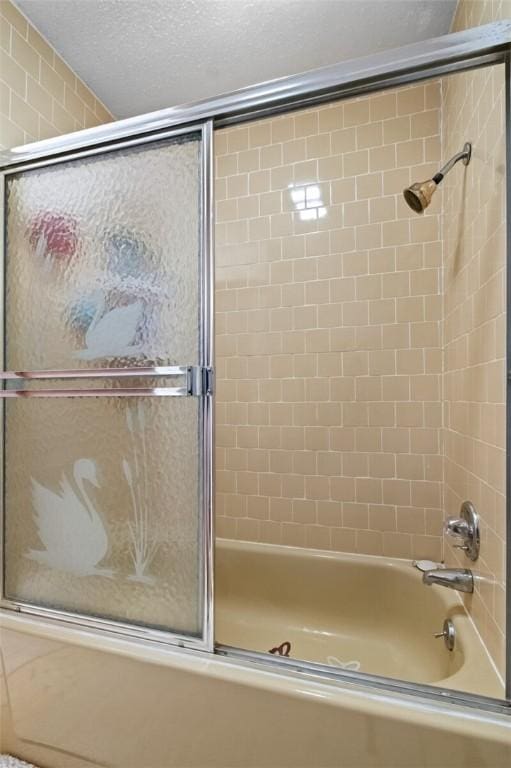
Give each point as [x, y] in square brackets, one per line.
[360, 613]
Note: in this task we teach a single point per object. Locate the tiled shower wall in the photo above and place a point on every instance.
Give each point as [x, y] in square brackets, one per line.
[40, 96]
[328, 323]
[475, 323]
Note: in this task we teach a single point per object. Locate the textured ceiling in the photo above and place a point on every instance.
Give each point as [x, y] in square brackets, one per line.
[142, 55]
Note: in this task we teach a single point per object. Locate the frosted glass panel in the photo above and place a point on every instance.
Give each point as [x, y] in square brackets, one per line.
[104, 501]
[103, 505]
[102, 259]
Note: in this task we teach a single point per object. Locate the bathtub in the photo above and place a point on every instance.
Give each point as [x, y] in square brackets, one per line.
[76, 698]
[358, 612]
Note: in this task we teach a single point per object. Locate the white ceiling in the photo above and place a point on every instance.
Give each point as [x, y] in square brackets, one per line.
[142, 55]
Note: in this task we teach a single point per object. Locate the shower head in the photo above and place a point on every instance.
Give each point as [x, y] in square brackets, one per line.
[418, 196]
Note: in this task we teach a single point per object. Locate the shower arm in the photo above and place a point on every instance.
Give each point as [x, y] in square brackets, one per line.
[464, 155]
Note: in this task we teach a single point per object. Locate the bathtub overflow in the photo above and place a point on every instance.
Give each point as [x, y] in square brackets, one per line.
[448, 633]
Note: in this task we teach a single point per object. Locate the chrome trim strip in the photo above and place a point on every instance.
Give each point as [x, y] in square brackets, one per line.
[193, 132]
[314, 670]
[135, 631]
[98, 373]
[368, 72]
[508, 382]
[2, 366]
[107, 392]
[206, 359]
[393, 80]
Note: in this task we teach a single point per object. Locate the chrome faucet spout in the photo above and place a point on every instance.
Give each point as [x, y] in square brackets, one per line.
[460, 579]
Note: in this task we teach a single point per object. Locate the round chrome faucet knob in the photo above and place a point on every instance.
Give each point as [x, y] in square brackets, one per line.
[466, 528]
[457, 527]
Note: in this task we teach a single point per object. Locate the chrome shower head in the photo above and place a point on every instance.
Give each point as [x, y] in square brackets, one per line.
[418, 196]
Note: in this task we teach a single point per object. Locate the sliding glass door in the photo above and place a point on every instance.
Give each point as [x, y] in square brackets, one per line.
[107, 387]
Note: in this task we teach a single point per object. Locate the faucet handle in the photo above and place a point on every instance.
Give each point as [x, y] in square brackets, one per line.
[457, 527]
[466, 529]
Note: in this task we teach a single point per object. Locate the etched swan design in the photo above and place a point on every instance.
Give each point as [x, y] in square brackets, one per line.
[112, 333]
[68, 524]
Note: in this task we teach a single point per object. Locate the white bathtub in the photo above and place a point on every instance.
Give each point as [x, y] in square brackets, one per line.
[72, 698]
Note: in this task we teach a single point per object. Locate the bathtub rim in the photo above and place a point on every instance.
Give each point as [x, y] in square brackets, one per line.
[242, 662]
[284, 676]
[324, 554]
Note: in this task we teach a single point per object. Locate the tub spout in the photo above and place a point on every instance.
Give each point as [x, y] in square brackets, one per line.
[460, 579]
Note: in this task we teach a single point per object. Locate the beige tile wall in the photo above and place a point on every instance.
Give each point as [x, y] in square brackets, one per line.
[40, 96]
[475, 323]
[328, 346]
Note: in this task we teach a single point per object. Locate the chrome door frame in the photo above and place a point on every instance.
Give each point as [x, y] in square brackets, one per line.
[450, 54]
[198, 383]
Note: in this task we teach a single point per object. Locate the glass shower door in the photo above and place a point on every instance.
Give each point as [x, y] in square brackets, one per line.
[107, 388]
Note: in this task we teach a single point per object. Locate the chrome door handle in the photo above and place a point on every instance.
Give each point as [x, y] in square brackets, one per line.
[198, 382]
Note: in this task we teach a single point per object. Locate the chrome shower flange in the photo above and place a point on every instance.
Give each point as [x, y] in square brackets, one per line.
[473, 539]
